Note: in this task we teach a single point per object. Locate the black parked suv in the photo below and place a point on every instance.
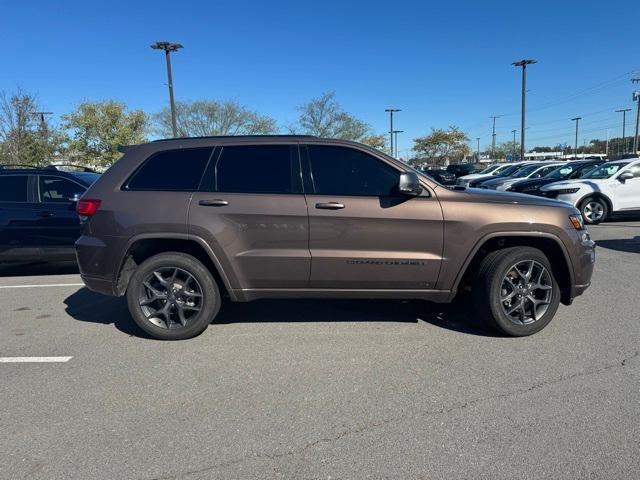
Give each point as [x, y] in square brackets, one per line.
[461, 169]
[571, 170]
[38, 220]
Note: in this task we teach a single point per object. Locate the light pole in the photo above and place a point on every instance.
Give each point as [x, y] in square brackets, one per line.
[523, 63]
[624, 124]
[478, 140]
[636, 98]
[575, 151]
[493, 136]
[395, 141]
[169, 47]
[513, 150]
[44, 131]
[391, 112]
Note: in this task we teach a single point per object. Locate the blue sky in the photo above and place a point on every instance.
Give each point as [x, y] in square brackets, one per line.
[443, 63]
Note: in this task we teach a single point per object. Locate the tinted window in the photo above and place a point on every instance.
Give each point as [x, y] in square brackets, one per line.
[345, 171]
[13, 188]
[255, 169]
[178, 170]
[57, 189]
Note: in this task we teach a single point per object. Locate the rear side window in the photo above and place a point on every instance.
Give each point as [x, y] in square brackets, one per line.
[13, 188]
[173, 170]
[346, 171]
[256, 169]
[58, 190]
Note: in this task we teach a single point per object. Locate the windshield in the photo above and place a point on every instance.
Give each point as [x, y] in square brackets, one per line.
[560, 172]
[604, 171]
[525, 171]
[490, 169]
[508, 170]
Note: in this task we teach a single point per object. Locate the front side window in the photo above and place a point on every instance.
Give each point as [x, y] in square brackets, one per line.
[172, 170]
[57, 189]
[13, 188]
[604, 171]
[346, 171]
[256, 169]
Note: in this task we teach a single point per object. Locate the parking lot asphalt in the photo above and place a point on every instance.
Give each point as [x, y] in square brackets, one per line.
[322, 389]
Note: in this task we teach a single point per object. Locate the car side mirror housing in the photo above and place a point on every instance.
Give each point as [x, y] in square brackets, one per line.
[624, 176]
[409, 184]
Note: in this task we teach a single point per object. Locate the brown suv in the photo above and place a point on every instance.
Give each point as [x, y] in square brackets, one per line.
[176, 224]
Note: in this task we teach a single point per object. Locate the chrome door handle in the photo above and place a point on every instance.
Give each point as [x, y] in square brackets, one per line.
[213, 203]
[330, 206]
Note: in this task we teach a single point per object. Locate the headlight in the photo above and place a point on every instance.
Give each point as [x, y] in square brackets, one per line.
[563, 191]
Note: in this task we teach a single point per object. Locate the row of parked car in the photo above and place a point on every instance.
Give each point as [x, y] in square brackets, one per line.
[598, 188]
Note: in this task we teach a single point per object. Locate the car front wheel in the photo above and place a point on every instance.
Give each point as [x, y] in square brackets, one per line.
[173, 296]
[594, 210]
[515, 290]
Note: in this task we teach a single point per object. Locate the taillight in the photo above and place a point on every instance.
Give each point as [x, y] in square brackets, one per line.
[88, 207]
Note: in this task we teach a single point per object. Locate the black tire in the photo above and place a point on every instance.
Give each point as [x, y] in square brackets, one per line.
[589, 214]
[489, 287]
[208, 302]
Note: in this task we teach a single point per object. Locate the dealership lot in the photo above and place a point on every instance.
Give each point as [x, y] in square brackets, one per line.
[321, 389]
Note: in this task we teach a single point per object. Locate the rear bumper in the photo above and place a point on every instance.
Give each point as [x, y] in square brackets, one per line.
[99, 285]
[98, 262]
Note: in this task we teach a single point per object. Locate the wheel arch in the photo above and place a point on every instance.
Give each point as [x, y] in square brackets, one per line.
[549, 244]
[143, 246]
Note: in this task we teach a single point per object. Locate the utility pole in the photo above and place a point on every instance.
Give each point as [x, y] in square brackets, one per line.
[391, 112]
[624, 124]
[493, 136]
[169, 47]
[395, 141]
[513, 149]
[523, 63]
[478, 140]
[575, 151]
[44, 131]
[636, 98]
[606, 152]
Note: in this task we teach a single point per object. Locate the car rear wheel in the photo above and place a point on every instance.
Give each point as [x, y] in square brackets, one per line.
[594, 210]
[173, 296]
[515, 291]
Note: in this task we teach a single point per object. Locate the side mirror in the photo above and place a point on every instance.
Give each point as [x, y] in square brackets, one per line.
[409, 184]
[624, 176]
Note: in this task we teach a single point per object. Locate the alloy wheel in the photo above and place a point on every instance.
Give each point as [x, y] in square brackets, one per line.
[526, 292]
[171, 297]
[593, 211]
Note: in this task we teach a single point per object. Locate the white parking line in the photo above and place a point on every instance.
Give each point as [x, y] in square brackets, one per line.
[34, 359]
[44, 285]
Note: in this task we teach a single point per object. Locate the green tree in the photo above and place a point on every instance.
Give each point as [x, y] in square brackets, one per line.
[324, 117]
[441, 146]
[97, 129]
[210, 117]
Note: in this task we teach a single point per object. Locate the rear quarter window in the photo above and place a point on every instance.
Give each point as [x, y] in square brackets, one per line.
[171, 170]
[13, 188]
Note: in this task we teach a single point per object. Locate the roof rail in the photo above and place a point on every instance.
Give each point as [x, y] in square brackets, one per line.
[82, 168]
[232, 136]
[17, 165]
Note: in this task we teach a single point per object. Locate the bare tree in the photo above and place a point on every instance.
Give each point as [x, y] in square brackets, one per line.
[18, 126]
[211, 117]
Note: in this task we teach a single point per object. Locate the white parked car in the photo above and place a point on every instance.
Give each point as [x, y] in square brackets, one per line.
[613, 187]
[534, 170]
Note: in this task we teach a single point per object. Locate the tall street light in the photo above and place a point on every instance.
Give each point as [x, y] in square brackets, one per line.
[513, 151]
[575, 151]
[624, 124]
[395, 140]
[169, 47]
[478, 140]
[493, 136]
[636, 98]
[523, 63]
[391, 112]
